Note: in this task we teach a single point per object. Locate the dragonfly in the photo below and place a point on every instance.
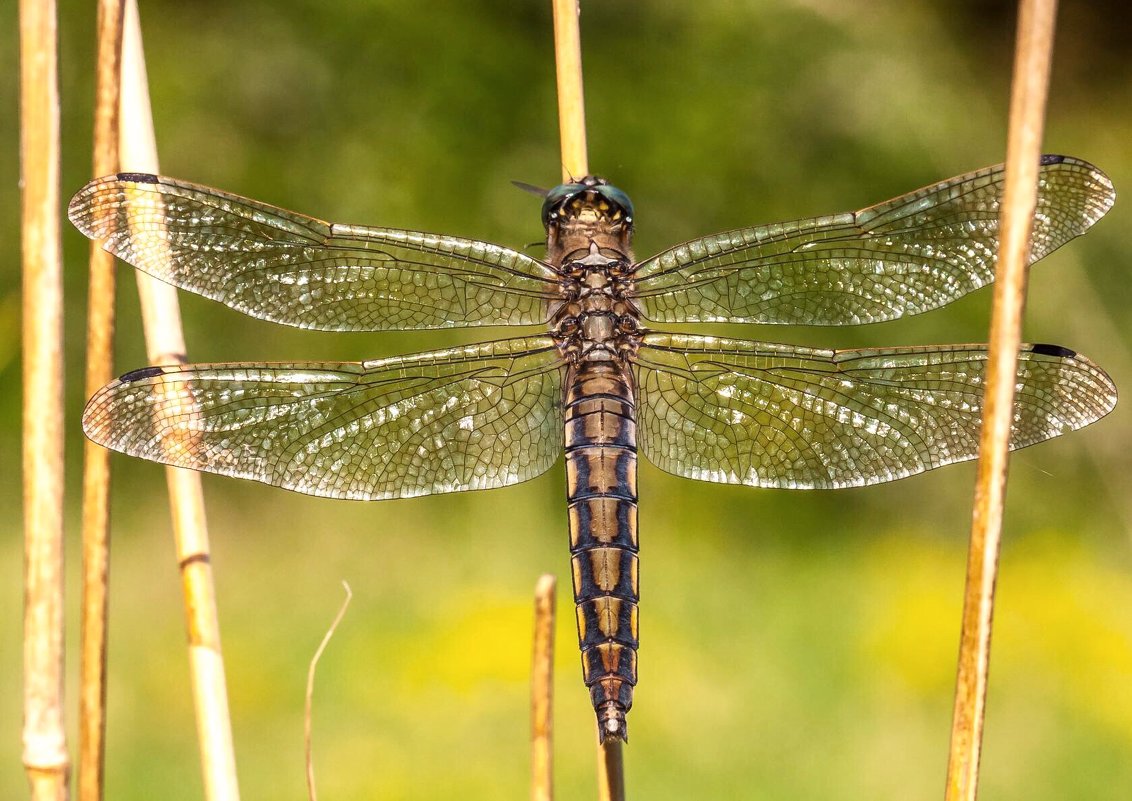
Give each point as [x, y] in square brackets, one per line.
[594, 380]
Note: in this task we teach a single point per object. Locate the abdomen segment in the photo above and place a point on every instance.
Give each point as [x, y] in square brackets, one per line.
[601, 490]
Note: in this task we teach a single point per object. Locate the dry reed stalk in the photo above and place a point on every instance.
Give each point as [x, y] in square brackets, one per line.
[575, 164]
[96, 459]
[161, 318]
[610, 772]
[571, 100]
[542, 692]
[1033, 52]
[45, 757]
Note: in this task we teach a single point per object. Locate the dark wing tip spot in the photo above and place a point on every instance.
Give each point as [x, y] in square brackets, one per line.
[1051, 158]
[1052, 350]
[140, 375]
[137, 177]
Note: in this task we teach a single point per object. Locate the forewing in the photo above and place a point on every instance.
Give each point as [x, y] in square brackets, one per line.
[300, 271]
[904, 256]
[475, 417]
[767, 415]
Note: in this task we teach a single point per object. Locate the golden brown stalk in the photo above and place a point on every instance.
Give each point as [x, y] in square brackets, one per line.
[542, 689]
[571, 99]
[96, 459]
[572, 129]
[610, 771]
[161, 318]
[1032, 57]
[45, 756]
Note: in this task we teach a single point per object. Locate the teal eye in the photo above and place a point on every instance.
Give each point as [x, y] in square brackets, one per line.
[557, 196]
[618, 198]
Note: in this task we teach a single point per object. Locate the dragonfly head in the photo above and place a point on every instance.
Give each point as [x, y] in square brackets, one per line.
[592, 197]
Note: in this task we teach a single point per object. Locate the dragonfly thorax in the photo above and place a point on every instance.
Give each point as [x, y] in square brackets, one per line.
[596, 321]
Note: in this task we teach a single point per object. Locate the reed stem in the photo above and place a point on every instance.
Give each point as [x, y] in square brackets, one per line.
[165, 344]
[572, 129]
[1033, 53]
[45, 757]
[610, 771]
[571, 98]
[542, 692]
[96, 459]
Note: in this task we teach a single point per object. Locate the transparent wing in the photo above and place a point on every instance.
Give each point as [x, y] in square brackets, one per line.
[474, 417]
[905, 256]
[768, 415]
[296, 270]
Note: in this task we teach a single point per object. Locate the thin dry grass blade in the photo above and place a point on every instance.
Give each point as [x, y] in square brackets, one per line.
[308, 707]
[165, 344]
[96, 459]
[571, 99]
[542, 692]
[1027, 110]
[45, 756]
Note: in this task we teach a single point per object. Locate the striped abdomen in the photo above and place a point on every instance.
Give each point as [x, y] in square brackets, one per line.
[601, 490]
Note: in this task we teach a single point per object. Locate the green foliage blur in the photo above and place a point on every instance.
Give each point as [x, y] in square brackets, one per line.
[795, 644]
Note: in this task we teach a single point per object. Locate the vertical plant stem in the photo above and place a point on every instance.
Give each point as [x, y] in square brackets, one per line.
[1032, 58]
[165, 344]
[572, 129]
[571, 98]
[610, 772]
[542, 692]
[45, 756]
[96, 459]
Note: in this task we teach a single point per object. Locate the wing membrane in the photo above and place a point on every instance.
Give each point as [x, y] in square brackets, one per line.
[904, 256]
[475, 417]
[300, 271]
[768, 415]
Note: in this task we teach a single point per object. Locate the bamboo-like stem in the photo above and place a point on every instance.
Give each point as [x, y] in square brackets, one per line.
[571, 99]
[96, 459]
[161, 318]
[572, 130]
[308, 701]
[610, 771]
[1033, 53]
[542, 692]
[45, 757]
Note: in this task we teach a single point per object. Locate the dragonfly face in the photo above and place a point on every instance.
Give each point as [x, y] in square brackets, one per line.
[596, 383]
[593, 196]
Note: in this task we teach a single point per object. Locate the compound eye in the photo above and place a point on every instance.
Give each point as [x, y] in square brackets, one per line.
[557, 197]
[618, 198]
[563, 191]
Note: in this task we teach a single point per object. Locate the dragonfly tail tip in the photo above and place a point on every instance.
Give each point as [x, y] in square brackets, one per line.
[611, 724]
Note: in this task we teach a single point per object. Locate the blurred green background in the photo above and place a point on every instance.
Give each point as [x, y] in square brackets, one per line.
[795, 644]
